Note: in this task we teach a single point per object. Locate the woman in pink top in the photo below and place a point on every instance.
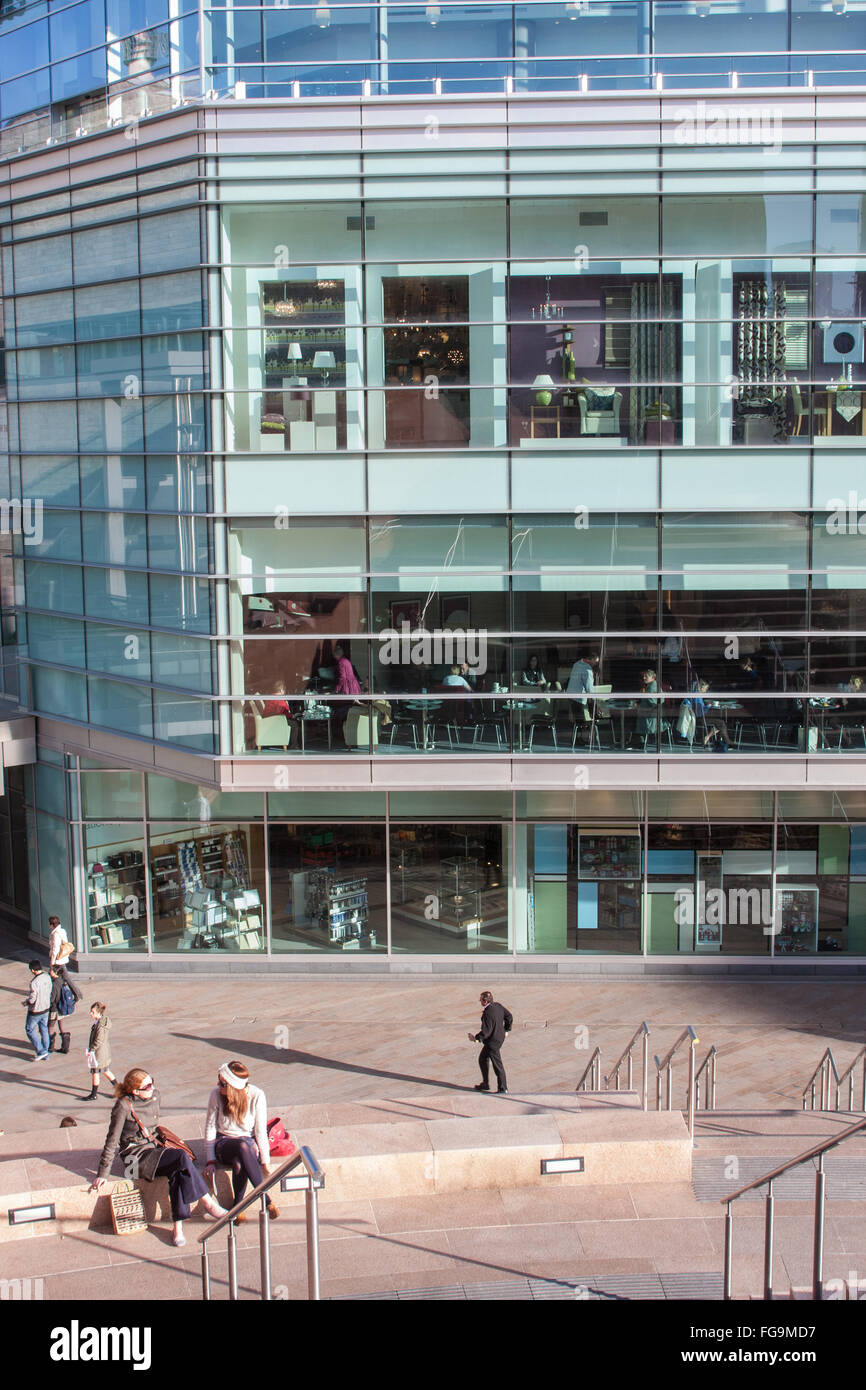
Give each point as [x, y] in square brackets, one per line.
[348, 683]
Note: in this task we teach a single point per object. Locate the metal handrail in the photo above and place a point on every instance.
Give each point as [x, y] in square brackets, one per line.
[826, 1065]
[848, 1074]
[593, 1066]
[613, 1075]
[314, 1179]
[817, 1151]
[666, 1065]
[686, 1034]
[708, 1065]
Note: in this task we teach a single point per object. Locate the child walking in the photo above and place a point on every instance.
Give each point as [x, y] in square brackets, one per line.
[99, 1049]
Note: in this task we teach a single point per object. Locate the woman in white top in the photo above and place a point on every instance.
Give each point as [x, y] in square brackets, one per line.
[236, 1131]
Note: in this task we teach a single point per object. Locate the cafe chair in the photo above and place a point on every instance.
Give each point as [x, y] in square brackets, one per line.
[400, 721]
[602, 724]
[542, 721]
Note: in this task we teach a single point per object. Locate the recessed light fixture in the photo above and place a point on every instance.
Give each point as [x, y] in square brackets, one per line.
[22, 1216]
[561, 1165]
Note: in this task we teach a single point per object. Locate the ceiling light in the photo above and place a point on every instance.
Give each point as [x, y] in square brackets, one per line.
[433, 14]
[323, 16]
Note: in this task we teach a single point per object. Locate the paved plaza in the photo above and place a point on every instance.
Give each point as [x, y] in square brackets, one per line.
[359, 1052]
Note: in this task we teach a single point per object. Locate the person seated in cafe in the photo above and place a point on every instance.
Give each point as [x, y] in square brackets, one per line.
[716, 737]
[348, 683]
[848, 713]
[456, 679]
[532, 674]
[279, 704]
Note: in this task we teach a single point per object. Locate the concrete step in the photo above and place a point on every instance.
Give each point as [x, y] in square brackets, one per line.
[499, 1144]
[714, 1176]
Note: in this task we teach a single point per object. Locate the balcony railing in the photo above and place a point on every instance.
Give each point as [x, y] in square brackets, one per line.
[552, 76]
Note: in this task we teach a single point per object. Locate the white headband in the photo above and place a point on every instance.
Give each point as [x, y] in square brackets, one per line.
[231, 1078]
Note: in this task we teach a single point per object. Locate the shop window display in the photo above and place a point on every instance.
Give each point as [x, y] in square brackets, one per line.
[589, 357]
[579, 888]
[449, 888]
[709, 890]
[304, 365]
[328, 888]
[426, 352]
[208, 888]
[116, 908]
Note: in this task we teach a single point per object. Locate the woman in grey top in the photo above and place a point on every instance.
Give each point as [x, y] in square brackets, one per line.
[131, 1133]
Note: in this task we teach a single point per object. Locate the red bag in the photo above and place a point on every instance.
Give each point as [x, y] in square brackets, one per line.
[282, 1145]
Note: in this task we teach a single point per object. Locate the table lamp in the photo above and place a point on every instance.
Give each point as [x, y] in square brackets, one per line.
[543, 386]
[294, 354]
[324, 361]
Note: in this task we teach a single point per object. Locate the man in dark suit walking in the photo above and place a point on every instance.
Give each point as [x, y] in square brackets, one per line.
[496, 1021]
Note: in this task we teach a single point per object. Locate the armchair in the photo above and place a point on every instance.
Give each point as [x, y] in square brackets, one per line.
[275, 731]
[596, 421]
[357, 727]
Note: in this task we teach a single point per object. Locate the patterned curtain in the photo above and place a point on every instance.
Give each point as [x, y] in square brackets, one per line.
[762, 344]
[652, 353]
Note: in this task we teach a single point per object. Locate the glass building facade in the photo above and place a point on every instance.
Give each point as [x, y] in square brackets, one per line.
[433, 514]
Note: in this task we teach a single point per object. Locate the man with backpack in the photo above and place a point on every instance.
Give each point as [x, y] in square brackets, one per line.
[65, 994]
[496, 1021]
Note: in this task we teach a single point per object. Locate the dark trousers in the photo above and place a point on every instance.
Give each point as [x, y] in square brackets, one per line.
[490, 1054]
[185, 1183]
[242, 1157]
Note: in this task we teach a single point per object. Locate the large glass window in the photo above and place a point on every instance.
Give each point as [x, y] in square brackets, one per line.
[208, 885]
[449, 888]
[328, 887]
[710, 889]
[115, 888]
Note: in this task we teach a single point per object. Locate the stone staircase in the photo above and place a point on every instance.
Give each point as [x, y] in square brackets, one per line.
[445, 1143]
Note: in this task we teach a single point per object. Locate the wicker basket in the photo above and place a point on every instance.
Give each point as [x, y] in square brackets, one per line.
[127, 1210]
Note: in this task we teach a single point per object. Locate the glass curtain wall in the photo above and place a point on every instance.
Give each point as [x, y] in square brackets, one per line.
[694, 320]
[547, 873]
[683, 633]
[102, 301]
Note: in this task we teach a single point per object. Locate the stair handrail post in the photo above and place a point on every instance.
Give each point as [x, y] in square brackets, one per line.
[729, 1241]
[645, 1053]
[693, 1044]
[314, 1292]
[232, 1245]
[818, 1240]
[265, 1249]
[768, 1243]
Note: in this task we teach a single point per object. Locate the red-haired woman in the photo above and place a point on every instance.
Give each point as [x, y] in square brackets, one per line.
[133, 1120]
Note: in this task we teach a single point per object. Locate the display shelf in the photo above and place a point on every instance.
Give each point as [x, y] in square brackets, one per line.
[339, 907]
[797, 909]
